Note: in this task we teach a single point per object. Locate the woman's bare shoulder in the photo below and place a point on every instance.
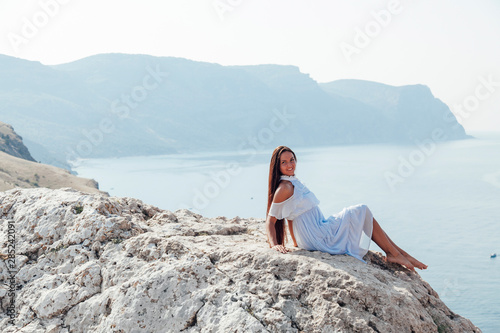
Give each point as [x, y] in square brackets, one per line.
[283, 192]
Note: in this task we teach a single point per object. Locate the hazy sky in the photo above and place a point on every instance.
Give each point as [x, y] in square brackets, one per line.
[451, 46]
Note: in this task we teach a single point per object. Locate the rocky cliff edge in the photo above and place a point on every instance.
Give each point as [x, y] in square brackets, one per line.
[91, 263]
[12, 144]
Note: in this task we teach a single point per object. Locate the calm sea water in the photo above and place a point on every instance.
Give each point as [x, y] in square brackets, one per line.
[439, 202]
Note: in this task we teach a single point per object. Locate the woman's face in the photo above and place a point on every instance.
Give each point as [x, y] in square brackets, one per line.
[287, 164]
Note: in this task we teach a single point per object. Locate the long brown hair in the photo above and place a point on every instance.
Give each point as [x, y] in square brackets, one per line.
[274, 181]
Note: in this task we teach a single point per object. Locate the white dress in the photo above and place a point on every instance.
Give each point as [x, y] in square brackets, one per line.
[348, 232]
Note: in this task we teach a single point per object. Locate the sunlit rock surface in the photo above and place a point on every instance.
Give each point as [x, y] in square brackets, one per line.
[91, 263]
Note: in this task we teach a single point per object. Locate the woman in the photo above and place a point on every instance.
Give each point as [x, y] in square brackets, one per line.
[348, 232]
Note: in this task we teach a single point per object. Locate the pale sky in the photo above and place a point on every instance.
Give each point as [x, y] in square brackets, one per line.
[452, 46]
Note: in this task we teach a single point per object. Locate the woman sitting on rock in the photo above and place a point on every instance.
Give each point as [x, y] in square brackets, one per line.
[348, 232]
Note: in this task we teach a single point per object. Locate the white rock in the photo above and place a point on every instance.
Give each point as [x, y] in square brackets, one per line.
[91, 263]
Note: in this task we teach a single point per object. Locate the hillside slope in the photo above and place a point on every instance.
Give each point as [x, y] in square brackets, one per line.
[17, 172]
[18, 169]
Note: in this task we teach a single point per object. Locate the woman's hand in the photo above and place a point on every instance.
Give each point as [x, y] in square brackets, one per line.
[280, 248]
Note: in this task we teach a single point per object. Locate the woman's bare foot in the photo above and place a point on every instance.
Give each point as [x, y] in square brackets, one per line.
[400, 259]
[415, 262]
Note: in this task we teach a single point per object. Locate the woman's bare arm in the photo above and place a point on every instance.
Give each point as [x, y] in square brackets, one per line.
[290, 228]
[283, 192]
[271, 232]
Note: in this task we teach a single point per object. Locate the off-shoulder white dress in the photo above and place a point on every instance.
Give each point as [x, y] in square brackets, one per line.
[348, 232]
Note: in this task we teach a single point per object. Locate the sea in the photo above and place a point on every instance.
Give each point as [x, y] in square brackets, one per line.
[438, 201]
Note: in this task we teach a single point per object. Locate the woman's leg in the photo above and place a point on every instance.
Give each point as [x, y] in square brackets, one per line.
[414, 261]
[391, 250]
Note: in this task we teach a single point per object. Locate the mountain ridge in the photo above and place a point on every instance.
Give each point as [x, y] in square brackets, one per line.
[113, 105]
